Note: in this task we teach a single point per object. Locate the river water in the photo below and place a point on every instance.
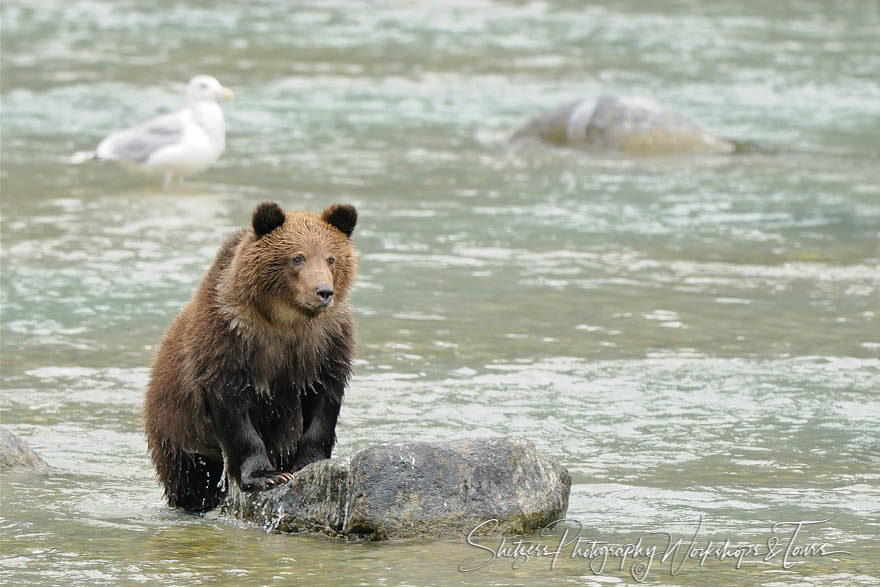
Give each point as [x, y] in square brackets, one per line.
[695, 339]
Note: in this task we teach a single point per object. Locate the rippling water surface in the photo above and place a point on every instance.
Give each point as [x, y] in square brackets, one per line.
[690, 337]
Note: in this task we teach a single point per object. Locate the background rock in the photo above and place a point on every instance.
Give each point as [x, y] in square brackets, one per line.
[15, 453]
[413, 490]
[627, 124]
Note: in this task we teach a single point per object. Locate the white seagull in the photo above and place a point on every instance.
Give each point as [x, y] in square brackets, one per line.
[173, 145]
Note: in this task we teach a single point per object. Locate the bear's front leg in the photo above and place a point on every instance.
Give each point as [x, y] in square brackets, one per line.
[320, 410]
[246, 460]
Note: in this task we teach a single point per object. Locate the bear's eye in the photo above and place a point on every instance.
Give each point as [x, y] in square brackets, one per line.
[298, 260]
[331, 261]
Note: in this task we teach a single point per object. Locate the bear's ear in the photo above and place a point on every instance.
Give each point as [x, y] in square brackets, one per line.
[267, 217]
[344, 217]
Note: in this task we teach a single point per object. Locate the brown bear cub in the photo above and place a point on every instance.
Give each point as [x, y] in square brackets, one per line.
[253, 370]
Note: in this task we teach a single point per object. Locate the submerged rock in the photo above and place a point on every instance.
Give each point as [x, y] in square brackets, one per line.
[414, 490]
[627, 124]
[15, 453]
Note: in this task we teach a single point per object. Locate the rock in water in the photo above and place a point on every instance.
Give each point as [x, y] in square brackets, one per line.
[15, 453]
[411, 490]
[630, 125]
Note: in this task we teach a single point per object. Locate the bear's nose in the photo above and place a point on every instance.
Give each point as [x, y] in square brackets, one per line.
[325, 292]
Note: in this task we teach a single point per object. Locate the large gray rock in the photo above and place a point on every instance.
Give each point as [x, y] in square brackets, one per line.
[626, 124]
[413, 490]
[17, 454]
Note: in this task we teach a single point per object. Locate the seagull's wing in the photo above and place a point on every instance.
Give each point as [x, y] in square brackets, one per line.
[136, 144]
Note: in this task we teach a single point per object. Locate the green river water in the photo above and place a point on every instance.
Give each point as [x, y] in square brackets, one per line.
[694, 338]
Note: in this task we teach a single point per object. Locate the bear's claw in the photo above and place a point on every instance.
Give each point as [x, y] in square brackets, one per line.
[265, 480]
[278, 479]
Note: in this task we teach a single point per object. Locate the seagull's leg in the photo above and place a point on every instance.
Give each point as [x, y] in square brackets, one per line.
[168, 182]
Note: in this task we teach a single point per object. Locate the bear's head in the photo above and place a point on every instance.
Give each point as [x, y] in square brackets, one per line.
[295, 265]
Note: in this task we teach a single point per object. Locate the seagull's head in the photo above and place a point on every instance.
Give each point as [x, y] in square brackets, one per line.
[205, 87]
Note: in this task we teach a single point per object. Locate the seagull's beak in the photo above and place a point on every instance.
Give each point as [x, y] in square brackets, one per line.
[225, 92]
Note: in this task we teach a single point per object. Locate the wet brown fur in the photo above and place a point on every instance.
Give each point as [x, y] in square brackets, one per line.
[254, 368]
